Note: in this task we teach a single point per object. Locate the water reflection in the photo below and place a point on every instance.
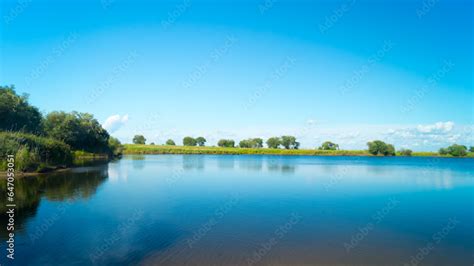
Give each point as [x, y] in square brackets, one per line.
[277, 164]
[79, 183]
[193, 162]
[138, 161]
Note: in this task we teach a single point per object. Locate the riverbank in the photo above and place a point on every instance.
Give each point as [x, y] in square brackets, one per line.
[163, 149]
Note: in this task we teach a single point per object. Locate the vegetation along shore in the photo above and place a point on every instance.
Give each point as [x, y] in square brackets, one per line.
[57, 140]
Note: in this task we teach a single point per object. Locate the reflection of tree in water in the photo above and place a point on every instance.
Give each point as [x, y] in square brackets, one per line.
[138, 161]
[77, 184]
[226, 162]
[276, 164]
[253, 163]
[193, 162]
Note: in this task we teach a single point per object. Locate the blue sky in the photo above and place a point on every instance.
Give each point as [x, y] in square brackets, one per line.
[348, 71]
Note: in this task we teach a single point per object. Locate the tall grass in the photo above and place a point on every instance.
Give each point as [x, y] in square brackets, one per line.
[33, 153]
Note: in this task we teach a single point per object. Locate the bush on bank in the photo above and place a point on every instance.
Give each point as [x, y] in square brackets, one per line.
[33, 153]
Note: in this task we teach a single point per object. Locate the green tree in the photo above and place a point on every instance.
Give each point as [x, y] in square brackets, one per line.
[170, 142]
[378, 147]
[189, 141]
[443, 151]
[201, 141]
[139, 139]
[289, 142]
[79, 130]
[17, 114]
[456, 150]
[329, 146]
[251, 143]
[273, 142]
[152, 143]
[116, 148]
[406, 152]
[226, 143]
[257, 143]
[471, 149]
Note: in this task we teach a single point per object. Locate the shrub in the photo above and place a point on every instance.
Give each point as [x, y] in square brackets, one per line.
[406, 152]
[116, 148]
[471, 149]
[170, 142]
[289, 142]
[31, 151]
[378, 147]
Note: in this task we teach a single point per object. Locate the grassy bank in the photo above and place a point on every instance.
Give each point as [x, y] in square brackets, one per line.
[163, 149]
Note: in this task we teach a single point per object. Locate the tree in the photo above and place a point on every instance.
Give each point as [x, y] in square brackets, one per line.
[406, 152]
[443, 151]
[152, 144]
[226, 143]
[471, 149]
[17, 114]
[329, 146]
[273, 142]
[139, 139]
[81, 131]
[378, 147]
[456, 150]
[289, 142]
[116, 148]
[170, 142]
[251, 143]
[189, 141]
[201, 141]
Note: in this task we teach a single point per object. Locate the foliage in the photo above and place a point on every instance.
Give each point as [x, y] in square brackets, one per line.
[471, 149]
[289, 142]
[378, 147]
[116, 148]
[226, 143]
[200, 141]
[329, 146]
[251, 143]
[454, 150]
[406, 152]
[139, 139]
[32, 152]
[17, 114]
[273, 142]
[170, 142]
[189, 141]
[81, 131]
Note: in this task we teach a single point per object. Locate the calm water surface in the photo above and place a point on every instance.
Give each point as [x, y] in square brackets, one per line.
[248, 210]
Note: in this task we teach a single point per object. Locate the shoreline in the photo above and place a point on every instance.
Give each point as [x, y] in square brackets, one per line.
[136, 149]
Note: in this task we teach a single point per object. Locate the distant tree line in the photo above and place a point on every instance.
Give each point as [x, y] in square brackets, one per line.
[376, 147]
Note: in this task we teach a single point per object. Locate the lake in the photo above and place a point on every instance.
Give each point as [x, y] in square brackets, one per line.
[247, 210]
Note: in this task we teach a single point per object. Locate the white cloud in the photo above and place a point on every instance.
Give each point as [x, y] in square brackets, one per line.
[114, 122]
[439, 127]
